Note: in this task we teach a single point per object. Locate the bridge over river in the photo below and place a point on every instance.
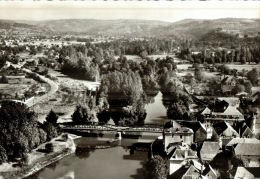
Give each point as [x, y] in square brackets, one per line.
[135, 131]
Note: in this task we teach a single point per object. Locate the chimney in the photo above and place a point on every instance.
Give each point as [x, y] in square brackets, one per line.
[186, 153]
[220, 142]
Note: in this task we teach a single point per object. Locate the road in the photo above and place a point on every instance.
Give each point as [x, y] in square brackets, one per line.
[37, 99]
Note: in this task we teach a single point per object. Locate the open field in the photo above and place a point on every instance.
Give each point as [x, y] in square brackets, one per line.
[64, 100]
[247, 67]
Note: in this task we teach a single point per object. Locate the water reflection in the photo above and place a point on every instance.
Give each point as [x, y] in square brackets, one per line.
[125, 159]
[156, 111]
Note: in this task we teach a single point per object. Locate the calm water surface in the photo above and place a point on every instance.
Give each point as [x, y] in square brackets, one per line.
[115, 162]
[156, 112]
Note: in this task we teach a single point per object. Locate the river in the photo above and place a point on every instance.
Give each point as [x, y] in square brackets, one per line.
[156, 112]
[115, 162]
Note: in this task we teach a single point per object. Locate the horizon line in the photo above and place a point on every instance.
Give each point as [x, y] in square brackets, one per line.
[144, 19]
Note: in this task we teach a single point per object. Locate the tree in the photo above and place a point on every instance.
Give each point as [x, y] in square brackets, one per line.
[159, 167]
[243, 60]
[19, 131]
[226, 70]
[52, 117]
[189, 78]
[81, 115]
[3, 155]
[177, 111]
[103, 116]
[51, 130]
[238, 88]
[4, 79]
[198, 74]
[49, 147]
[248, 87]
[253, 76]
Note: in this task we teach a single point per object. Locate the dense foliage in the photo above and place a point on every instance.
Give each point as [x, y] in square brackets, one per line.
[159, 167]
[124, 91]
[20, 132]
[79, 62]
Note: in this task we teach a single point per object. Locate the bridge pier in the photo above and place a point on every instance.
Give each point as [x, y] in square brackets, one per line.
[118, 135]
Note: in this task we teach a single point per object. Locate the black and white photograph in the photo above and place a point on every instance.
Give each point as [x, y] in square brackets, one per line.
[129, 89]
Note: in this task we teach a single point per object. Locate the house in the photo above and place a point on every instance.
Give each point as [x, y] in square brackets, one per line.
[206, 112]
[193, 169]
[244, 131]
[208, 150]
[232, 101]
[224, 129]
[172, 124]
[186, 171]
[225, 132]
[236, 141]
[209, 172]
[177, 135]
[247, 172]
[200, 131]
[249, 153]
[229, 114]
[179, 157]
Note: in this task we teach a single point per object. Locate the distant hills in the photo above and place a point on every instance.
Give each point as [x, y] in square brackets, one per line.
[188, 28]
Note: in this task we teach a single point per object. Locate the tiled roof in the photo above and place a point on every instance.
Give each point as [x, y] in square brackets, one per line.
[232, 110]
[180, 154]
[207, 169]
[187, 170]
[209, 150]
[249, 149]
[247, 172]
[221, 127]
[254, 170]
[194, 125]
[206, 111]
[243, 140]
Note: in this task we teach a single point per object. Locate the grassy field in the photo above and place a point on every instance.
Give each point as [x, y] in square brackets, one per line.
[64, 101]
[247, 67]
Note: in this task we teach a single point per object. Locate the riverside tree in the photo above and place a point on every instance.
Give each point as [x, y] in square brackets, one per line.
[124, 88]
[52, 117]
[159, 167]
[81, 115]
[19, 131]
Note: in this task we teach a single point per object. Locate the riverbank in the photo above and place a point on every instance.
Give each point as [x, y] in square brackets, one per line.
[38, 159]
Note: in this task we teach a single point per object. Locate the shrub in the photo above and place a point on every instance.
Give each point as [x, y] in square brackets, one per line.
[65, 137]
[3, 155]
[49, 147]
[52, 117]
[3, 79]
[50, 130]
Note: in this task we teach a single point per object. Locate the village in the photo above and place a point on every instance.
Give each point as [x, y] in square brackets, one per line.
[132, 98]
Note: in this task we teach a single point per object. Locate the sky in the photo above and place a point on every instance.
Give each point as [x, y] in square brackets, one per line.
[149, 10]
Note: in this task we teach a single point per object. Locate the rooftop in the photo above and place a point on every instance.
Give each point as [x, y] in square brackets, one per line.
[247, 149]
[224, 128]
[247, 172]
[209, 150]
[243, 140]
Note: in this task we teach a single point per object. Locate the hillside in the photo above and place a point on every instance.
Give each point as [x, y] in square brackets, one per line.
[6, 24]
[196, 29]
[188, 28]
[104, 27]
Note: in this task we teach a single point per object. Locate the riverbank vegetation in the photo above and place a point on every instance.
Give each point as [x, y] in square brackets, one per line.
[20, 132]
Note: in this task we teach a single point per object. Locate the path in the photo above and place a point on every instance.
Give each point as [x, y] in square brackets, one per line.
[37, 99]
